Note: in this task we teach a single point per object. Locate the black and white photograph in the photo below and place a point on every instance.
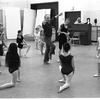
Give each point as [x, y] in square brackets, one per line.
[49, 49]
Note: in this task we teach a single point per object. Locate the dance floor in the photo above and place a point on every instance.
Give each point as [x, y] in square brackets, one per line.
[41, 81]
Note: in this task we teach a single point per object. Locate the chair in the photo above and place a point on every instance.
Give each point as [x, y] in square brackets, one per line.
[75, 38]
[29, 37]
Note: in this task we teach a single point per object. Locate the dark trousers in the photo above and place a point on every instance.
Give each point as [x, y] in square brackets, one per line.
[50, 49]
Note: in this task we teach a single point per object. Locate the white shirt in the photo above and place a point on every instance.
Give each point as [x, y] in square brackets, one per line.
[37, 35]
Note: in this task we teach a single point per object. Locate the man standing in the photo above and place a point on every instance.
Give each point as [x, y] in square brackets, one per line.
[50, 47]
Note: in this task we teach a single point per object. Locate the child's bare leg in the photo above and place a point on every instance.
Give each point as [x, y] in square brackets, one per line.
[65, 86]
[28, 48]
[20, 52]
[98, 73]
[70, 77]
[64, 78]
[98, 52]
[0, 64]
[18, 77]
[36, 45]
[41, 48]
[59, 52]
[12, 83]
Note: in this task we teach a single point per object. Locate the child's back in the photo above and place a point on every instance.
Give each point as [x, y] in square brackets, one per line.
[12, 59]
[66, 64]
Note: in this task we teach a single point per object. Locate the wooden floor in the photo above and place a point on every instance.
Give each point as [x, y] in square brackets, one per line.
[41, 81]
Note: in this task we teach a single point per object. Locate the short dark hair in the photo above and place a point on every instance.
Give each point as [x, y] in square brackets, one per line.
[66, 47]
[19, 31]
[88, 19]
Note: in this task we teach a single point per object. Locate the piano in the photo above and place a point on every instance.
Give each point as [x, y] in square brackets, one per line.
[85, 32]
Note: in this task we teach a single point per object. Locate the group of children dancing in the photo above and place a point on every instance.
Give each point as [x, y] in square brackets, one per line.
[12, 59]
[13, 62]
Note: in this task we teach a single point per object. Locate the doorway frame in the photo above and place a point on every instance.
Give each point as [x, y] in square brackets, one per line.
[48, 5]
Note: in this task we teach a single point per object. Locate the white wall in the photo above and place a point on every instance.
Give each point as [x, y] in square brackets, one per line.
[68, 5]
[12, 22]
[14, 3]
[29, 21]
[89, 8]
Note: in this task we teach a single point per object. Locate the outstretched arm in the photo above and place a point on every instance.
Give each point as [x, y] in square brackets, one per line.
[59, 15]
[73, 65]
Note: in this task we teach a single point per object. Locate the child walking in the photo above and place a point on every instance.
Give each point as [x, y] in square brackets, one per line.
[66, 66]
[12, 61]
[37, 37]
[22, 43]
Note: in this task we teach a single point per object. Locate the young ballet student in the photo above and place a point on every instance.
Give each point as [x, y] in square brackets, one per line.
[22, 43]
[98, 48]
[12, 61]
[66, 67]
[42, 43]
[37, 37]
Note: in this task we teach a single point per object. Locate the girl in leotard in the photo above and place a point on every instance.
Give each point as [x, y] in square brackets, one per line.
[12, 61]
[66, 66]
[22, 43]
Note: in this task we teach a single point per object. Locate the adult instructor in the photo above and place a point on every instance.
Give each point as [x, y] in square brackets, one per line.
[50, 47]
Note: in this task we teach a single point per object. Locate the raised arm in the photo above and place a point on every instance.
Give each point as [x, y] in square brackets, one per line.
[59, 15]
[73, 65]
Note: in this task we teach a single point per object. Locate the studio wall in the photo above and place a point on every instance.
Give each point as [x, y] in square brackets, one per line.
[40, 16]
[29, 21]
[12, 15]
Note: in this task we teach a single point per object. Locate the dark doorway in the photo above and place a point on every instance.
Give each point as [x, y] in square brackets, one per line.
[50, 5]
[73, 16]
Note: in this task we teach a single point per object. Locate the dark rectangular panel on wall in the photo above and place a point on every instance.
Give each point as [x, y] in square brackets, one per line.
[73, 15]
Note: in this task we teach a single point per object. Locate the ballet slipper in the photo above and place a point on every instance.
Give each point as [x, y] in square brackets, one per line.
[62, 81]
[18, 80]
[96, 75]
[60, 89]
[58, 60]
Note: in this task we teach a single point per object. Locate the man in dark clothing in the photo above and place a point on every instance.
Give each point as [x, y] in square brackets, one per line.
[50, 47]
